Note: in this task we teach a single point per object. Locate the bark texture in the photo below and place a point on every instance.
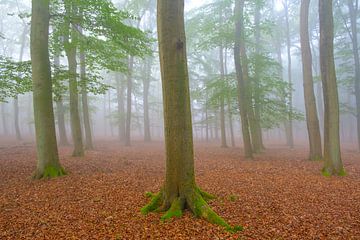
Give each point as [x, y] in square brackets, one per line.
[241, 84]
[47, 153]
[180, 189]
[333, 164]
[312, 120]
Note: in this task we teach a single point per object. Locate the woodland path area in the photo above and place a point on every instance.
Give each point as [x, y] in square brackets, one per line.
[278, 195]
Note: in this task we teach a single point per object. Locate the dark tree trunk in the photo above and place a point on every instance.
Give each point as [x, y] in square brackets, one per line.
[48, 164]
[310, 102]
[241, 84]
[332, 156]
[180, 189]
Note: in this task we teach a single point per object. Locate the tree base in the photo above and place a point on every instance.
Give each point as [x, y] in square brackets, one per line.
[195, 200]
[328, 172]
[49, 172]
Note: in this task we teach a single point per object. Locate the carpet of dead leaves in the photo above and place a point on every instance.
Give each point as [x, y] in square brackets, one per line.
[278, 195]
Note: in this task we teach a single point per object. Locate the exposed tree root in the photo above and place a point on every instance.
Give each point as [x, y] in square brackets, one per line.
[330, 171]
[49, 172]
[195, 200]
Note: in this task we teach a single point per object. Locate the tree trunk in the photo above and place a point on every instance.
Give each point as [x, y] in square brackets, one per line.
[128, 103]
[3, 117]
[241, 84]
[84, 97]
[353, 10]
[257, 105]
[47, 153]
[120, 88]
[16, 100]
[180, 189]
[332, 156]
[146, 85]
[230, 122]
[222, 100]
[16, 120]
[312, 120]
[289, 124]
[60, 113]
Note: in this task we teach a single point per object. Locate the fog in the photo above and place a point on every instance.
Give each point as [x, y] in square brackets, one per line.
[17, 122]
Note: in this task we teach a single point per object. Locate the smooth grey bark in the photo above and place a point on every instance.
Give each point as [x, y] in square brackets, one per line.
[222, 100]
[332, 156]
[127, 141]
[241, 84]
[120, 95]
[289, 124]
[3, 117]
[85, 103]
[312, 120]
[70, 50]
[353, 12]
[146, 87]
[48, 164]
[60, 114]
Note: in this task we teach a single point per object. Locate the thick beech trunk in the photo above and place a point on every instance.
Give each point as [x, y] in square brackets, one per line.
[312, 120]
[180, 189]
[47, 153]
[332, 156]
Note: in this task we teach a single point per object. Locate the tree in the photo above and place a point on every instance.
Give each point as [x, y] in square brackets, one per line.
[353, 10]
[242, 87]
[289, 123]
[333, 163]
[47, 153]
[312, 120]
[180, 189]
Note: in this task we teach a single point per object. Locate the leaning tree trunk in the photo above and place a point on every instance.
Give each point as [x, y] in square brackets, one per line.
[85, 104]
[180, 189]
[289, 124]
[310, 102]
[47, 153]
[332, 156]
[129, 103]
[241, 84]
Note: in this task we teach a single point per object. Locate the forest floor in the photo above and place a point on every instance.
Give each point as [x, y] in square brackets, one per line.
[278, 195]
